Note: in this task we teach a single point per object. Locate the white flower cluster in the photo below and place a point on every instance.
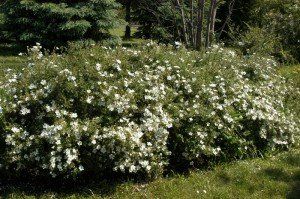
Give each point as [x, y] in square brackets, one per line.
[242, 105]
[132, 110]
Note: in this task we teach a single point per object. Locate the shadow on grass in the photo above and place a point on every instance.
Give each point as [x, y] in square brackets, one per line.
[292, 159]
[55, 189]
[277, 174]
[86, 185]
[224, 178]
[295, 191]
[292, 179]
[10, 50]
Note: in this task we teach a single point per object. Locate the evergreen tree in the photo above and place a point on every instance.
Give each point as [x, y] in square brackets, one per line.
[55, 22]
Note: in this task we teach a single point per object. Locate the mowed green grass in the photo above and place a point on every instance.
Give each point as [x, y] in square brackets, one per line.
[292, 74]
[120, 31]
[269, 177]
[9, 58]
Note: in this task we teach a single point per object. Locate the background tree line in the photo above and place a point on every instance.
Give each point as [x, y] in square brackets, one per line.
[260, 26]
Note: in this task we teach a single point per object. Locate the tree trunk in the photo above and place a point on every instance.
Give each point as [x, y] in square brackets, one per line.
[128, 20]
[192, 35]
[184, 30]
[208, 27]
[200, 24]
[213, 20]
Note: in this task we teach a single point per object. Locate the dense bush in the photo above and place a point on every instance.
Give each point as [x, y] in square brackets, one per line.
[106, 110]
[274, 29]
[259, 41]
[56, 22]
[283, 19]
[267, 27]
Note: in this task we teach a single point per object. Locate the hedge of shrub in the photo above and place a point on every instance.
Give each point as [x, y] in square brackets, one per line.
[105, 110]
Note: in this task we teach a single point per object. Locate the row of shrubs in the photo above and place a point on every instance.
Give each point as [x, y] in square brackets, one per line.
[107, 110]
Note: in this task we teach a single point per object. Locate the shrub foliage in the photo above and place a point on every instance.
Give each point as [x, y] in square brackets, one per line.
[106, 110]
[272, 29]
[281, 18]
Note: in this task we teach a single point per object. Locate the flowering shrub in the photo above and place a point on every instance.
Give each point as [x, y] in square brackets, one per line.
[133, 110]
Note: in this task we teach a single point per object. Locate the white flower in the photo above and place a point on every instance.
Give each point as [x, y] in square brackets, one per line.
[32, 86]
[25, 111]
[43, 82]
[81, 168]
[15, 130]
[177, 43]
[74, 115]
[132, 169]
[241, 43]
[84, 128]
[98, 67]
[58, 114]
[89, 99]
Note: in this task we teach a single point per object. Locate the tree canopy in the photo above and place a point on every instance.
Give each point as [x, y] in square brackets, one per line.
[53, 22]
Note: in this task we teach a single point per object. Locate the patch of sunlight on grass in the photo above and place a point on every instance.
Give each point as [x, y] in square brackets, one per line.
[120, 31]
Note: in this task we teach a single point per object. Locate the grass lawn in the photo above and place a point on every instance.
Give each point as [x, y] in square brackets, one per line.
[292, 73]
[270, 177]
[120, 32]
[9, 58]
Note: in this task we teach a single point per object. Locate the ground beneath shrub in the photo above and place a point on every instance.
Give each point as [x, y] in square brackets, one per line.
[270, 177]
